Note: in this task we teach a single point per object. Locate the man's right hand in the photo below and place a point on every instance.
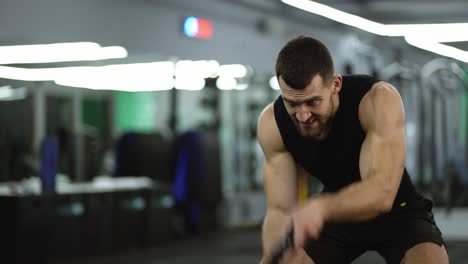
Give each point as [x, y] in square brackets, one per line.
[276, 227]
[292, 256]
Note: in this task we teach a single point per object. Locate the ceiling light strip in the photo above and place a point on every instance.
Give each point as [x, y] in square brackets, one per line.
[423, 36]
[59, 52]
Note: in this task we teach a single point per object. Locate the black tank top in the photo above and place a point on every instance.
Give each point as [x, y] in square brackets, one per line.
[335, 160]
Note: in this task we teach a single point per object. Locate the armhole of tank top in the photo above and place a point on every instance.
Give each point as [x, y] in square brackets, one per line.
[281, 119]
[364, 90]
[278, 121]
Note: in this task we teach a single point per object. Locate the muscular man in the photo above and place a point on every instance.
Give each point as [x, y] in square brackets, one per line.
[348, 131]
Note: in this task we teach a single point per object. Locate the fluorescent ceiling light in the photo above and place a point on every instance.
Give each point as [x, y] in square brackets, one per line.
[424, 36]
[226, 83]
[449, 31]
[152, 76]
[120, 84]
[274, 83]
[339, 16]
[211, 69]
[232, 70]
[189, 83]
[24, 74]
[438, 48]
[156, 69]
[202, 68]
[59, 52]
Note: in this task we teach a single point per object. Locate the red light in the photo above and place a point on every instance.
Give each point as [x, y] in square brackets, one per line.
[205, 29]
[198, 28]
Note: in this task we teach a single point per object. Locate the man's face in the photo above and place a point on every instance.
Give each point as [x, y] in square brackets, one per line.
[313, 108]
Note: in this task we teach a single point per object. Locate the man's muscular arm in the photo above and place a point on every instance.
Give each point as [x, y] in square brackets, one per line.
[381, 165]
[279, 181]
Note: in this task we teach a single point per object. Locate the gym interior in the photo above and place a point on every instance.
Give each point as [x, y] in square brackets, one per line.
[128, 129]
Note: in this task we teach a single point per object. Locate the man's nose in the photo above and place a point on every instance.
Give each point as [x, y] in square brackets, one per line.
[303, 114]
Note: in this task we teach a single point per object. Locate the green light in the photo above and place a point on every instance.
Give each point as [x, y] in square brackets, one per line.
[135, 111]
[464, 110]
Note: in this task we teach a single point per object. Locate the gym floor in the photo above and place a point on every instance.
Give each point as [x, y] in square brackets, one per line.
[228, 247]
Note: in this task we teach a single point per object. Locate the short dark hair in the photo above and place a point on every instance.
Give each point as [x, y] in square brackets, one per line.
[301, 59]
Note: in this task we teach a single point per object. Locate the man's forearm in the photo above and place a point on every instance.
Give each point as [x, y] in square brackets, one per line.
[275, 226]
[359, 201]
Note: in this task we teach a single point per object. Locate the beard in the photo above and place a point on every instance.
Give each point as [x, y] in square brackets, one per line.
[316, 128]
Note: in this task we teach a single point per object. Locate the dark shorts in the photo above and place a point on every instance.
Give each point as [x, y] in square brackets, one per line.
[390, 235]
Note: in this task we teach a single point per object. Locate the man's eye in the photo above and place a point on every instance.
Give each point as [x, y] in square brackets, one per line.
[292, 104]
[313, 102]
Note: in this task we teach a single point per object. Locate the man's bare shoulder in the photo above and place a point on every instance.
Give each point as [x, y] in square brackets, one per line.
[384, 89]
[268, 132]
[380, 99]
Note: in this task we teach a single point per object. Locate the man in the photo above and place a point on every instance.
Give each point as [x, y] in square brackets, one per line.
[348, 131]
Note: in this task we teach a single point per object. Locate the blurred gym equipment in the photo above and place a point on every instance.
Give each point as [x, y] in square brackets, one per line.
[406, 78]
[443, 81]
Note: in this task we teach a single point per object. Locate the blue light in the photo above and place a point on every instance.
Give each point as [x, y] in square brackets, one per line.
[191, 26]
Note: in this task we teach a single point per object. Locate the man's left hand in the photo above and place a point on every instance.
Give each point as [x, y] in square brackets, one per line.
[308, 221]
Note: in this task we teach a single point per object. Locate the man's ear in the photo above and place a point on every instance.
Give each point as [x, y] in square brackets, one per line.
[337, 82]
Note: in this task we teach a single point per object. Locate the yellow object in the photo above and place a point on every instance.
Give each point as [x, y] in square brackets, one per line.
[302, 185]
[403, 204]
